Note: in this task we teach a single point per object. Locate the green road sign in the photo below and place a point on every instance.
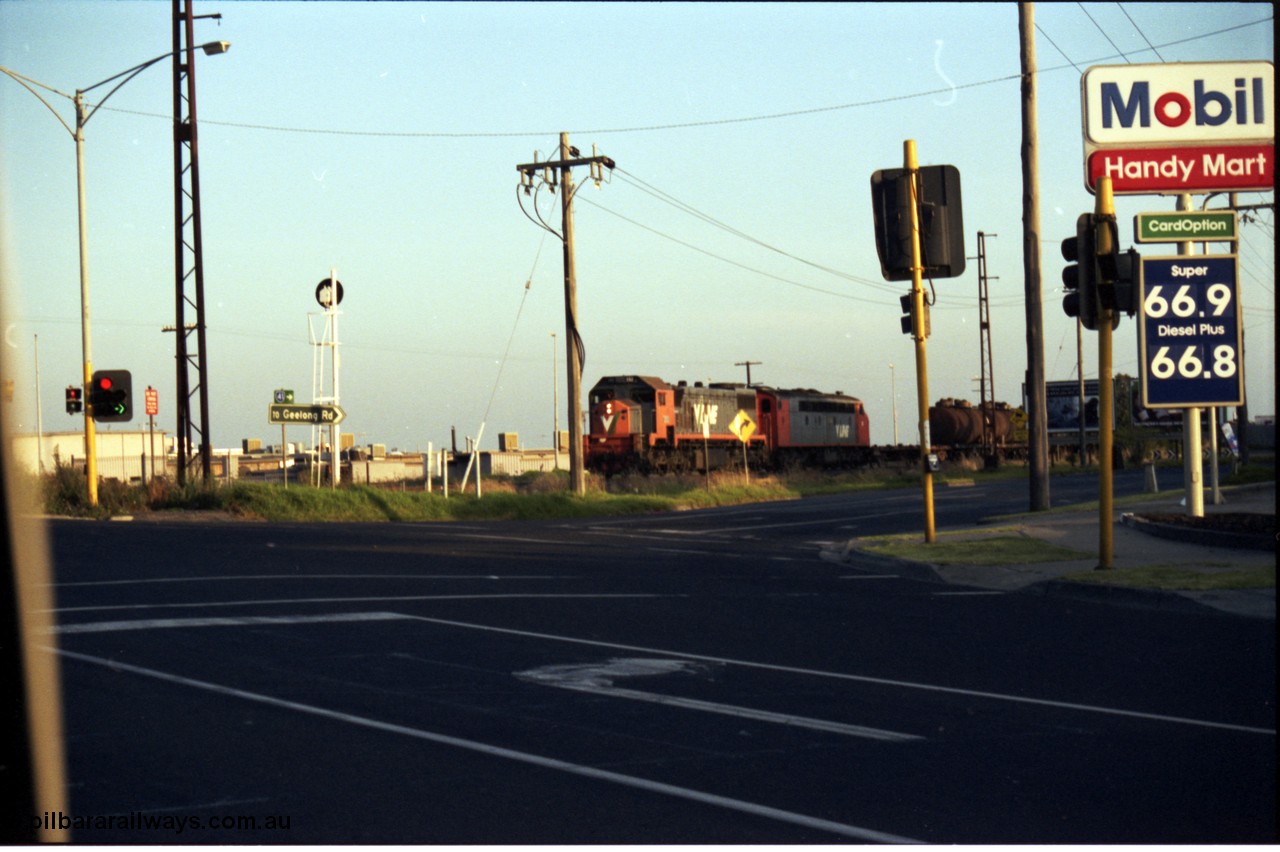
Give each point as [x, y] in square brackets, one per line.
[1185, 226]
[324, 415]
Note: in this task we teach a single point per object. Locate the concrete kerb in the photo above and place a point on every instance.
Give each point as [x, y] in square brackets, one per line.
[1133, 545]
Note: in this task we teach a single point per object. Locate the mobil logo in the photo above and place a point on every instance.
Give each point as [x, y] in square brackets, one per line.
[1181, 102]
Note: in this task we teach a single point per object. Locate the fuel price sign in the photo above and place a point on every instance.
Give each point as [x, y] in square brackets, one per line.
[1189, 340]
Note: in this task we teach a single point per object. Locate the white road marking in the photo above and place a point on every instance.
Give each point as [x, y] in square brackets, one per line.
[241, 621]
[739, 805]
[683, 550]
[927, 687]
[240, 578]
[277, 601]
[597, 679]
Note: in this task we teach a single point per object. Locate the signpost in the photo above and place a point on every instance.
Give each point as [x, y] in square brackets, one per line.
[316, 415]
[1186, 226]
[1179, 127]
[1176, 129]
[152, 399]
[283, 395]
[1202, 168]
[744, 427]
[1189, 341]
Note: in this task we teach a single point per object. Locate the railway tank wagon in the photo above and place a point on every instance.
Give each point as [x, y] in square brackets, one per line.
[957, 427]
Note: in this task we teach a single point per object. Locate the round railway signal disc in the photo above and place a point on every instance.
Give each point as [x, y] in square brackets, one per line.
[325, 293]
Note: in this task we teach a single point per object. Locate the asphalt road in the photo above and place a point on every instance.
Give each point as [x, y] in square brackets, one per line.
[680, 678]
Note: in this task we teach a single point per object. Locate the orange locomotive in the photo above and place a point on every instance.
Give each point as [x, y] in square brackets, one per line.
[644, 424]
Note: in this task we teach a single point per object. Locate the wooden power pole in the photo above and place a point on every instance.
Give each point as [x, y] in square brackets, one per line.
[1037, 416]
[546, 175]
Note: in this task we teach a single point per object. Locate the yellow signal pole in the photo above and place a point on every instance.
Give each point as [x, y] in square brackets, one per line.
[1104, 210]
[918, 333]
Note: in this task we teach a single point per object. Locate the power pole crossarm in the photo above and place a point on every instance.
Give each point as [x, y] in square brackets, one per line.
[748, 365]
[534, 168]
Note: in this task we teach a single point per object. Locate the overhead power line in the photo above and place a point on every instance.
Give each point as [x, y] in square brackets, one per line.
[684, 125]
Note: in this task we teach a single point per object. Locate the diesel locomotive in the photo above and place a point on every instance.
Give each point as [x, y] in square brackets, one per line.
[644, 424]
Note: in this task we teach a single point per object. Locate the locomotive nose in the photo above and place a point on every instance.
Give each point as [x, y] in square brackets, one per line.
[607, 418]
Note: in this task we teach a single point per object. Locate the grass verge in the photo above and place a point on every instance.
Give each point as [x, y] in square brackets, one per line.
[1175, 578]
[993, 548]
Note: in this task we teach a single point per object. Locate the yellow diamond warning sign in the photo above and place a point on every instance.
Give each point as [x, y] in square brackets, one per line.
[743, 426]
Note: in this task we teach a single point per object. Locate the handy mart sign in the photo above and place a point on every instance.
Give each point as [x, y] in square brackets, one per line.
[1180, 127]
[1210, 168]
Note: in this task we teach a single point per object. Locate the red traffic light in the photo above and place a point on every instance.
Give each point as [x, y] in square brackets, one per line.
[111, 396]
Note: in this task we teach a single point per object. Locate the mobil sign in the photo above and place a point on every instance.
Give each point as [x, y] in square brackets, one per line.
[1180, 127]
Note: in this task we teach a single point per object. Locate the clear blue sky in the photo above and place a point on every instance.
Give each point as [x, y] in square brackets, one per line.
[381, 139]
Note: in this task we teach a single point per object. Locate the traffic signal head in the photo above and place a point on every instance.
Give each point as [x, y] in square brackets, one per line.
[75, 402]
[939, 214]
[908, 327]
[1080, 276]
[111, 396]
[1128, 282]
[1118, 271]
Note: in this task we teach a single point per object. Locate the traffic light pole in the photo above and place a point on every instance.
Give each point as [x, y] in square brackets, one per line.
[918, 335]
[1104, 215]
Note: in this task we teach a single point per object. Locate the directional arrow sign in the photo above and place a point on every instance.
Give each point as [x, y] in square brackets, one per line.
[324, 415]
[743, 426]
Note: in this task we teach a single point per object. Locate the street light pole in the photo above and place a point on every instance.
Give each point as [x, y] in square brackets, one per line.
[893, 389]
[86, 336]
[77, 134]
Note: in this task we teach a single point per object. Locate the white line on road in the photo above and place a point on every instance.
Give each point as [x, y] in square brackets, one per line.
[597, 679]
[868, 577]
[242, 621]
[928, 687]
[277, 601]
[242, 577]
[764, 811]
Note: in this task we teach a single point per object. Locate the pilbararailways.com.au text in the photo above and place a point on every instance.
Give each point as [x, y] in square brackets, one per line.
[140, 821]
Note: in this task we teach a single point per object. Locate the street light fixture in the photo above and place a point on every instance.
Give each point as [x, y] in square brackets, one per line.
[83, 114]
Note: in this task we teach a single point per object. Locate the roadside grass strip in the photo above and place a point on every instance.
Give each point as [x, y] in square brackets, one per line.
[995, 546]
[1176, 578]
